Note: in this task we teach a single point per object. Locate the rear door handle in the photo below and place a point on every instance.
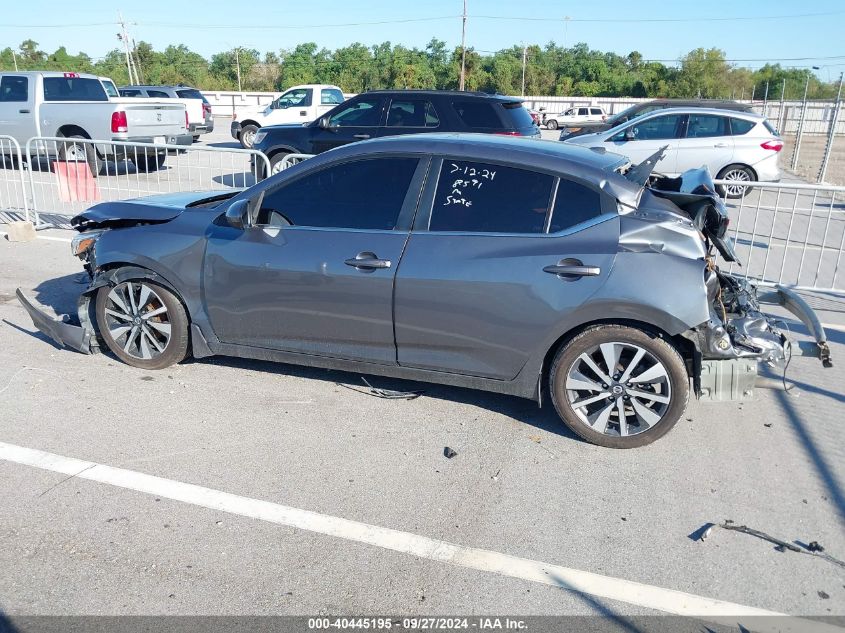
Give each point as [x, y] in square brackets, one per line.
[367, 261]
[572, 269]
[303, 113]
[24, 111]
[720, 145]
[362, 136]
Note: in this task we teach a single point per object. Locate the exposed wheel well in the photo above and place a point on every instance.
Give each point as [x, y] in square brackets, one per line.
[684, 346]
[250, 122]
[72, 130]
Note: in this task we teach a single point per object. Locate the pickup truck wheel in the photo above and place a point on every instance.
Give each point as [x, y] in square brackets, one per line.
[142, 323]
[76, 152]
[247, 136]
[146, 163]
[619, 386]
[551, 124]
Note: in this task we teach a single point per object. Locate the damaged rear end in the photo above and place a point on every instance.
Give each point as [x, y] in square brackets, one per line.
[738, 335]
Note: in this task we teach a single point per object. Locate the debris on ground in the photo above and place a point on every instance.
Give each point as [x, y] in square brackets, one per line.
[812, 549]
[388, 394]
[449, 453]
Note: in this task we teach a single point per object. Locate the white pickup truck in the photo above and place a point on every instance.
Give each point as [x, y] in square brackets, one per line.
[79, 106]
[300, 104]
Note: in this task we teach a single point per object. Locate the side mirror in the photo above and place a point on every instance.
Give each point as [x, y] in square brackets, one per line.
[237, 215]
[323, 123]
[630, 135]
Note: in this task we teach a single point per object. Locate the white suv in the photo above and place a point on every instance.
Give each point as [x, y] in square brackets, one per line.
[738, 146]
[579, 114]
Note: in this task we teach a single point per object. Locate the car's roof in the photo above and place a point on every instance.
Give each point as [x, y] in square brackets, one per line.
[694, 110]
[447, 93]
[587, 164]
[158, 87]
[687, 101]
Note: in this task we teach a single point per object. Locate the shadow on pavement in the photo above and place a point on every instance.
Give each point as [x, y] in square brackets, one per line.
[237, 179]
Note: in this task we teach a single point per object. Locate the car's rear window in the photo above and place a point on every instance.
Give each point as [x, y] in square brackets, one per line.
[516, 115]
[191, 93]
[73, 89]
[480, 114]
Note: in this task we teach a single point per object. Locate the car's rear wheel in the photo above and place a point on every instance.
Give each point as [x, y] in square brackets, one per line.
[146, 163]
[551, 124]
[737, 174]
[142, 323]
[247, 136]
[71, 151]
[278, 163]
[619, 386]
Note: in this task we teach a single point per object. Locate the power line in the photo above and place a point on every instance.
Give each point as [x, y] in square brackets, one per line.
[641, 20]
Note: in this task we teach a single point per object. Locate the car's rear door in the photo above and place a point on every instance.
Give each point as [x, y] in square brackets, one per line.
[315, 273]
[410, 115]
[478, 290]
[707, 142]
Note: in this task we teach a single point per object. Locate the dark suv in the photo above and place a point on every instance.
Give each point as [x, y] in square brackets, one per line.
[391, 112]
[644, 108]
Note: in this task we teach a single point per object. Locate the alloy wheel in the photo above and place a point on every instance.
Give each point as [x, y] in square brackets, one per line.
[736, 176]
[618, 389]
[137, 319]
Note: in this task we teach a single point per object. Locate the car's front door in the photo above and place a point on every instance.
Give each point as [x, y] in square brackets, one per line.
[357, 120]
[642, 138]
[314, 274]
[17, 108]
[292, 107]
[499, 256]
[707, 142]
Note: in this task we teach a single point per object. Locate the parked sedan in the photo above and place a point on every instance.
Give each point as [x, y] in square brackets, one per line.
[497, 263]
[736, 146]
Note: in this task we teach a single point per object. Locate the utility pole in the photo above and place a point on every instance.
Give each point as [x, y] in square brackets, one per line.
[238, 66]
[15, 59]
[123, 37]
[524, 59]
[797, 149]
[462, 80]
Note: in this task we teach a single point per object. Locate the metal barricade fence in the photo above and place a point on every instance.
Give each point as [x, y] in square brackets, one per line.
[791, 234]
[14, 197]
[289, 160]
[68, 175]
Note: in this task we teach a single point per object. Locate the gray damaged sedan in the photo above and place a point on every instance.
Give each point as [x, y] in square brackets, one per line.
[528, 268]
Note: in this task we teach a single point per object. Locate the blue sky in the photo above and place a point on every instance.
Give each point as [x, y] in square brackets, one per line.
[89, 26]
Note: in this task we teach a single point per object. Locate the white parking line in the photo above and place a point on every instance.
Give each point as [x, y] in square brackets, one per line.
[44, 237]
[660, 599]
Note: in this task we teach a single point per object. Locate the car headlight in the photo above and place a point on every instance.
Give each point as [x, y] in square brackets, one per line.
[84, 242]
[259, 136]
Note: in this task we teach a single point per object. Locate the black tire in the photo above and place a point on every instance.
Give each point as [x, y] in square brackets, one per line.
[131, 351]
[146, 163]
[246, 135]
[675, 387]
[72, 152]
[551, 124]
[196, 138]
[275, 159]
[748, 174]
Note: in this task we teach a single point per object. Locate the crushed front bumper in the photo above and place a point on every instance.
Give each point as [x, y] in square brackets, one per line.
[82, 338]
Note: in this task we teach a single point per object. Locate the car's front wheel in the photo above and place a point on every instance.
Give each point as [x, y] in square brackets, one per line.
[551, 124]
[142, 323]
[619, 386]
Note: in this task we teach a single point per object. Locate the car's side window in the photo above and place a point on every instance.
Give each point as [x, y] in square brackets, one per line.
[130, 93]
[598, 111]
[296, 98]
[583, 112]
[331, 96]
[365, 112]
[412, 113]
[363, 194]
[477, 114]
[657, 128]
[574, 204]
[741, 126]
[570, 112]
[13, 89]
[158, 94]
[490, 198]
[706, 125]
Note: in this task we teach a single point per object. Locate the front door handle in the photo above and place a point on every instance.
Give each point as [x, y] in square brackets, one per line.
[720, 145]
[23, 111]
[367, 261]
[361, 136]
[572, 269]
[303, 113]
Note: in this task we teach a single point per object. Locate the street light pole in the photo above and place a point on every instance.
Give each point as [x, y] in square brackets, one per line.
[463, 48]
[524, 59]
